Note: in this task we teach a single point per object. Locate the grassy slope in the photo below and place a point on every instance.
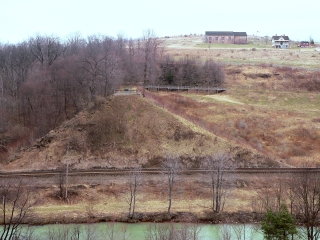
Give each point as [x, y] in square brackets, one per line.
[123, 131]
[275, 115]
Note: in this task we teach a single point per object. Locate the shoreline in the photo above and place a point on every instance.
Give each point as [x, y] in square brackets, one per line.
[163, 217]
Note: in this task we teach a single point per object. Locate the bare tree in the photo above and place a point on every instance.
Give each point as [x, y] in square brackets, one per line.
[63, 182]
[133, 182]
[307, 201]
[212, 74]
[150, 46]
[16, 203]
[171, 169]
[111, 65]
[133, 62]
[272, 194]
[37, 46]
[3, 125]
[46, 49]
[75, 43]
[216, 164]
[91, 62]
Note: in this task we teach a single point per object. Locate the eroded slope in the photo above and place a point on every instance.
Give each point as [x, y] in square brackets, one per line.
[127, 131]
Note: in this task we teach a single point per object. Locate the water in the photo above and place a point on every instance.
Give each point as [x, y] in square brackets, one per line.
[143, 231]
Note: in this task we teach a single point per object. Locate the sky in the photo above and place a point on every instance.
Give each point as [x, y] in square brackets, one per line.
[22, 19]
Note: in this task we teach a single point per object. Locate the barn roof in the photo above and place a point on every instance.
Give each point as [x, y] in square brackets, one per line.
[219, 33]
[225, 33]
[240, 33]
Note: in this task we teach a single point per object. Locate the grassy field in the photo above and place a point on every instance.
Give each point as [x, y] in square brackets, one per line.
[253, 53]
[96, 202]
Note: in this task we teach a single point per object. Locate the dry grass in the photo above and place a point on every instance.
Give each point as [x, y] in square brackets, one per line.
[270, 128]
[93, 202]
[265, 108]
[130, 131]
[242, 54]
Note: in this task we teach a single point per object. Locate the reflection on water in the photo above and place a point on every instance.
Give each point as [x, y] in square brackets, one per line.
[140, 231]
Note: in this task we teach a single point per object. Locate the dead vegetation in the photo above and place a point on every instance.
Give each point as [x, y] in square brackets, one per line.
[261, 119]
[129, 131]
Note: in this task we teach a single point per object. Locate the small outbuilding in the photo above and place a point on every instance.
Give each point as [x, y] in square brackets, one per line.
[282, 41]
[304, 44]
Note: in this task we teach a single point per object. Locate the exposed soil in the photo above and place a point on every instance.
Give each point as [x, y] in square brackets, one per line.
[126, 131]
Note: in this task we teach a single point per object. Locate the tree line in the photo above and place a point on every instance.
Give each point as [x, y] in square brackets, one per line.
[44, 80]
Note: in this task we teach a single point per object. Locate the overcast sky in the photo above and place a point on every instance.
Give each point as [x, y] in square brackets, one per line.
[21, 19]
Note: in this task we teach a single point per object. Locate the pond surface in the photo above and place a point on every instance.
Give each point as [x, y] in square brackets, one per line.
[144, 231]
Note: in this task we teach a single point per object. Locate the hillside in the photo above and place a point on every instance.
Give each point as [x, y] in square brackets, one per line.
[272, 103]
[127, 131]
[270, 110]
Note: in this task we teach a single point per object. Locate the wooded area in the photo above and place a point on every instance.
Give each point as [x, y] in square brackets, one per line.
[44, 80]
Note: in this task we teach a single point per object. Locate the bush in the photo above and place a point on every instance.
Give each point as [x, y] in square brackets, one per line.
[187, 72]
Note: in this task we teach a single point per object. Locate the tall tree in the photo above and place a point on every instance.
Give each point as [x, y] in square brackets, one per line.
[111, 72]
[91, 60]
[217, 164]
[133, 182]
[170, 168]
[46, 49]
[150, 46]
[306, 190]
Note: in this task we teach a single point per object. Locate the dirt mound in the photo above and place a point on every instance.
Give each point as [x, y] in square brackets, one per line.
[121, 132]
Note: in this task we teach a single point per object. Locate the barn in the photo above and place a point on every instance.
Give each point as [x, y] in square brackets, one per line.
[227, 37]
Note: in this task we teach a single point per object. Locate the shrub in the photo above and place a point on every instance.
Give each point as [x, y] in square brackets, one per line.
[278, 225]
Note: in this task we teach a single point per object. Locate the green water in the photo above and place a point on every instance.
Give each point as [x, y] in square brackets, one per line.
[142, 231]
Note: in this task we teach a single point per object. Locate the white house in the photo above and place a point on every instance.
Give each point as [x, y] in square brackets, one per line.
[280, 41]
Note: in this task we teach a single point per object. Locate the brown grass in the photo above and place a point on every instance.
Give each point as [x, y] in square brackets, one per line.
[90, 202]
[275, 117]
